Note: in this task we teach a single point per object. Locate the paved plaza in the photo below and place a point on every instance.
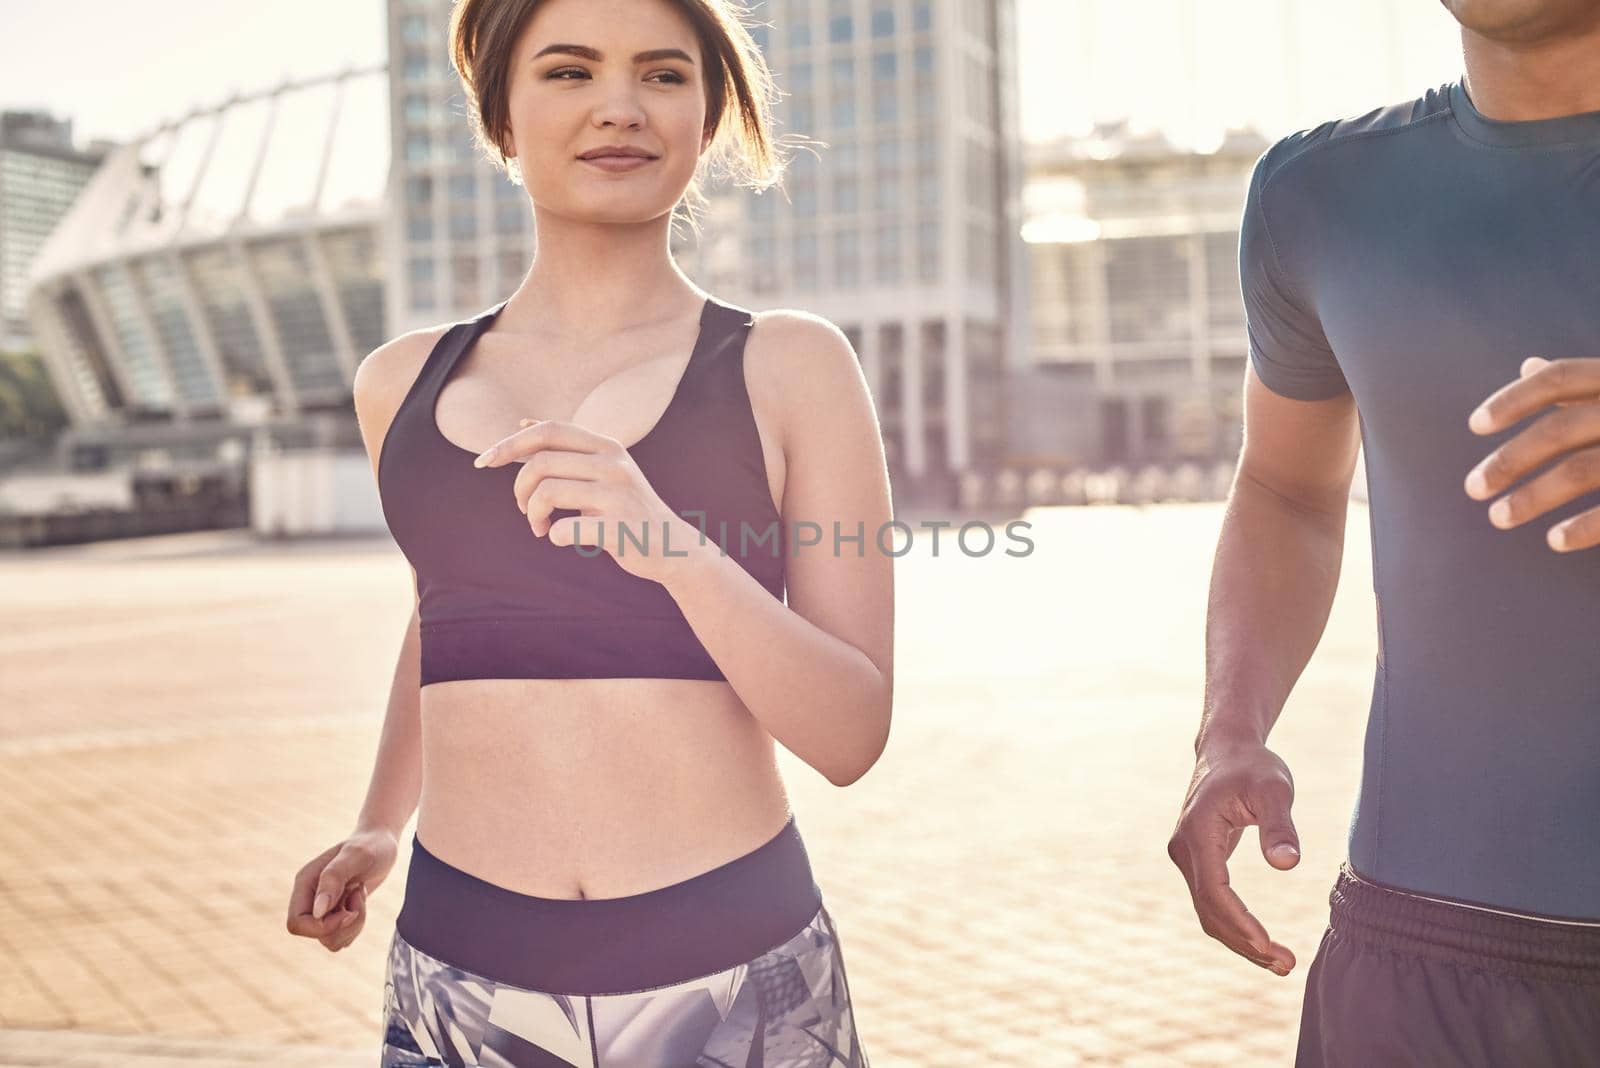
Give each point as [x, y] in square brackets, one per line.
[185, 720]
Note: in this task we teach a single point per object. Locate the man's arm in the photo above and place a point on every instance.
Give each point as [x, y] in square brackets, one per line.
[1272, 588]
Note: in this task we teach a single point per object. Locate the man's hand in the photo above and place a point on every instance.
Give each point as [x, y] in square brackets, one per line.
[1235, 787]
[1572, 433]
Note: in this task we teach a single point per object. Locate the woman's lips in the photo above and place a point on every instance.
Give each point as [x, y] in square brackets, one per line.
[618, 164]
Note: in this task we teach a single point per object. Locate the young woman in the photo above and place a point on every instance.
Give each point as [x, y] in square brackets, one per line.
[605, 485]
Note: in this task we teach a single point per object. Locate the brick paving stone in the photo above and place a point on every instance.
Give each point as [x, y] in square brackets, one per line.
[999, 879]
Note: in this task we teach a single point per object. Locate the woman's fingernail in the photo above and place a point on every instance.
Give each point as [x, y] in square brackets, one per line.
[349, 918]
[1558, 538]
[320, 906]
[484, 457]
[1477, 484]
[1500, 513]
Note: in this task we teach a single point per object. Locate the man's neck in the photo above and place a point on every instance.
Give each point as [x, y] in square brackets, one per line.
[1519, 81]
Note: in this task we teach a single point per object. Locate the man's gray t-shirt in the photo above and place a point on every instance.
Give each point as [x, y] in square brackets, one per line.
[1415, 256]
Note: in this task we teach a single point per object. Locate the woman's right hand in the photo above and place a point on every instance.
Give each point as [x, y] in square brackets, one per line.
[329, 900]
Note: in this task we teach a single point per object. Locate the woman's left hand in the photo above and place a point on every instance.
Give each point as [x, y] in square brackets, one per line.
[567, 466]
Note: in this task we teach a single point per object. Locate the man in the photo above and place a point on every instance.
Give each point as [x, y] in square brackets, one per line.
[1426, 279]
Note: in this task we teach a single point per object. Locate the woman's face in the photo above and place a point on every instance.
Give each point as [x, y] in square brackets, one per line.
[591, 92]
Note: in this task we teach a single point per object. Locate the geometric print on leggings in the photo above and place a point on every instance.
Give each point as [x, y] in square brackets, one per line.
[788, 1008]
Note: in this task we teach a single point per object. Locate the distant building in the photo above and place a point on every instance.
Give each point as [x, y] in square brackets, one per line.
[1138, 344]
[202, 308]
[222, 269]
[41, 174]
[904, 228]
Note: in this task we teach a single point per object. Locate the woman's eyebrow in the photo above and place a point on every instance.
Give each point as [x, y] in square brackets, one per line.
[585, 52]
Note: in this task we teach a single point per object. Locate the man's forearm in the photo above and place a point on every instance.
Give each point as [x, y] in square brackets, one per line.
[1272, 588]
[397, 773]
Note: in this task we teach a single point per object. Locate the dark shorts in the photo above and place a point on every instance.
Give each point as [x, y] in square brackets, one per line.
[1402, 980]
[736, 966]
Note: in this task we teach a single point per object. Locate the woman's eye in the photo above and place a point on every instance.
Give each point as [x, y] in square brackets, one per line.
[672, 77]
[567, 70]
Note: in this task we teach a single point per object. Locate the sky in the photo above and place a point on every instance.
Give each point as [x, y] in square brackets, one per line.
[1191, 67]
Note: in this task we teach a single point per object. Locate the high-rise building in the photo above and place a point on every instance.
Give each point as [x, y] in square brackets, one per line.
[904, 226]
[900, 222]
[41, 174]
[459, 233]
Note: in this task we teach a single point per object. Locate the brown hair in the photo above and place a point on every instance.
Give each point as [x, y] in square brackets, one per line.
[484, 32]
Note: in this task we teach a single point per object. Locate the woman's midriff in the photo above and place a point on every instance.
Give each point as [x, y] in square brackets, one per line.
[575, 788]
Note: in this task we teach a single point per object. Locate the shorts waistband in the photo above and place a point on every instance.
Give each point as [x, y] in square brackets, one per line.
[707, 923]
[1502, 942]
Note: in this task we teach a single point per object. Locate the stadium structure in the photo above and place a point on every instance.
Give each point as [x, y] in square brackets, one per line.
[203, 307]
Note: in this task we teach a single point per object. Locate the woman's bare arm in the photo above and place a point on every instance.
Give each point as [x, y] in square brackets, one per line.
[381, 383]
[818, 672]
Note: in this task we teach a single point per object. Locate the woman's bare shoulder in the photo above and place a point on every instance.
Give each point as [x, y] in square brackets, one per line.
[384, 377]
[797, 361]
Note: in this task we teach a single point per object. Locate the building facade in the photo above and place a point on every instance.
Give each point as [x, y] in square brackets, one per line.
[41, 173]
[1138, 338]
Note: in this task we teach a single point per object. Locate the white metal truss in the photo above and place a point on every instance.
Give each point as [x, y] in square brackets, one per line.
[327, 290]
[145, 323]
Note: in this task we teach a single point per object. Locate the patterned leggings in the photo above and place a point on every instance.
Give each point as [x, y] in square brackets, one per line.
[788, 1008]
[738, 967]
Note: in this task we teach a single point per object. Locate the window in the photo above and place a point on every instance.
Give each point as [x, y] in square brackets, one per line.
[846, 194]
[805, 261]
[1155, 415]
[928, 250]
[510, 216]
[802, 114]
[414, 30]
[886, 253]
[847, 258]
[882, 20]
[843, 75]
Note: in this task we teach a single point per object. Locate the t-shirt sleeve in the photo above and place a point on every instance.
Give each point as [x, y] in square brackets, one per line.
[1287, 346]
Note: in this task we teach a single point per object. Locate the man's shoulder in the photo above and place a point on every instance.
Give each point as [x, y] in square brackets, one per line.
[1324, 142]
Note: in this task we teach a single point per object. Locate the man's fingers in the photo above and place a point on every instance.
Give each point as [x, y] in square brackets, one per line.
[1280, 843]
[1561, 432]
[1568, 480]
[1554, 381]
[1222, 913]
[1582, 531]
